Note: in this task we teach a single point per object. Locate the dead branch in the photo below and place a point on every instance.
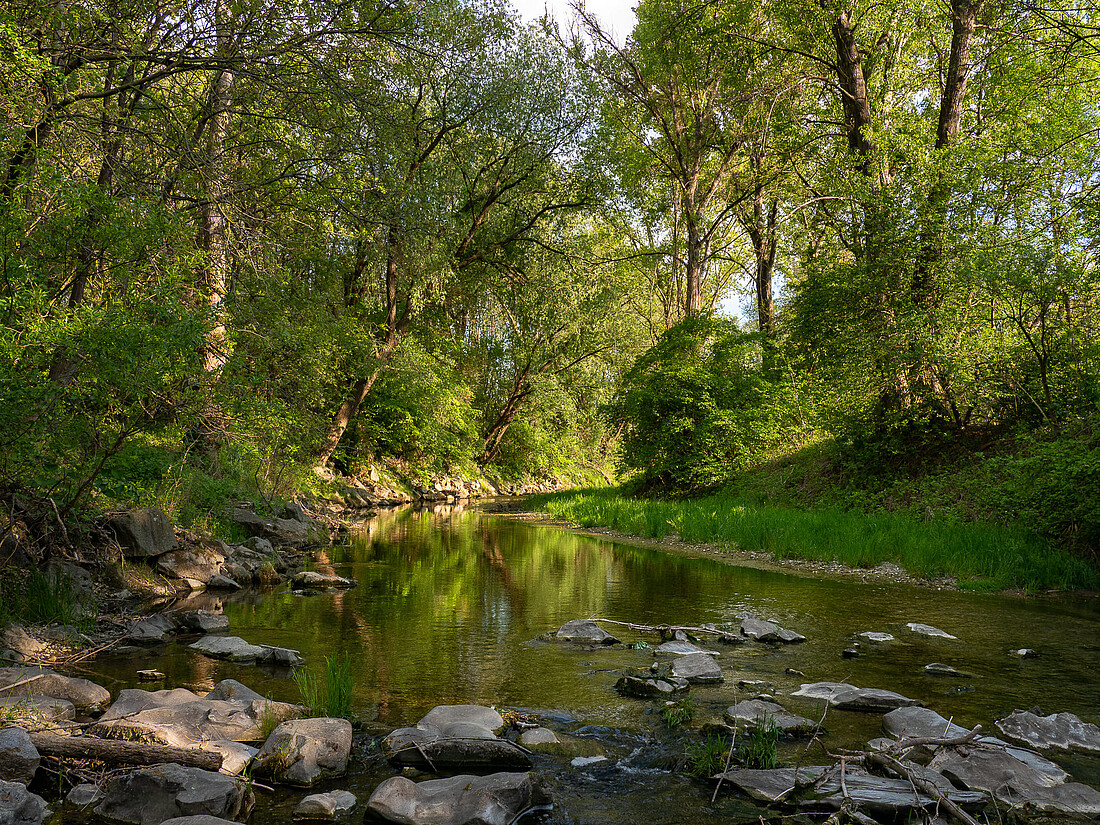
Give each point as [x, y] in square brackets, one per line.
[117, 751]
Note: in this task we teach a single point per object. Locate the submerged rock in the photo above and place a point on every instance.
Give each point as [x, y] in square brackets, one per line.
[584, 631]
[928, 630]
[302, 751]
[149, 796]
[878, 638]
[682, 648]
[498, 799]
[940, 669]
[1062, 731]
[651, 688]
[754, 712]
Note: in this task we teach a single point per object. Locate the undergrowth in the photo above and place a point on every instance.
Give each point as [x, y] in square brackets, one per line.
[979, 555]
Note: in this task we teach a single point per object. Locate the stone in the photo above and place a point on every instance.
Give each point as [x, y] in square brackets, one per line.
[928, 630]
[768, 632]
[19, 806]
[83, 796]
[154, 630]
[585, 761]
[1025, 653]
[312, 580]
[85, 695]
[1061, 731]
[878, 638]
[195, 566]
[38, 709]
[697, 669]
[498, 799]
[144, 533]
[771, 786]
[199, 819]
[149, 796]
[220, 581]
[179, 718]
[584, 631]
[650, 688]
[756, 685]
[1014, 784]
[754, 712]
[325, 806]
[236, 649]
[683, 649]
[870, 700]
[201, 621]
[303, 751]
[940, 669]
[232, 689]
[455, 737]
[821, 690]
[538, 737]
[18, 639]
[281, 531]
[19, 758]
[885, 797]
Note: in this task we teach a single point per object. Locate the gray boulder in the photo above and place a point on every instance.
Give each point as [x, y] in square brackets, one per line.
[84, 795]
[584, 631]
[313, 580]
[884, 797]
[179, 718]
[498, 799]
[281, 531]
[326, 806]
[753, 713]
[302, 751]
[18, 806]
[697, 669]
[144, 533]
[769, 632]
[455, 737]
[849, 697]
[1062, 731]
[536, 738]
[38, 708]
[17, 639]
[1013, 784]
[236, 649]
[681, 648]
[771, 786]
[194, 566]
[154, 630]
[652, 688]
[19, 758]
[149, 796]
[201, 621]
[85, 695]
[876, 637]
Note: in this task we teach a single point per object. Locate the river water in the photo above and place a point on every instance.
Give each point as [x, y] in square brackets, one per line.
[451, 603]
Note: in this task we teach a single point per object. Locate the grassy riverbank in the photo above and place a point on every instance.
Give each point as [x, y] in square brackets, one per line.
[980, 556]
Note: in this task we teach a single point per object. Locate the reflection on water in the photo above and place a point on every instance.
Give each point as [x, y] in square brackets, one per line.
[451, 602]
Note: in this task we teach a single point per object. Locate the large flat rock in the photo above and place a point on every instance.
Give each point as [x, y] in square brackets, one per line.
[85, 695]
[697, 669]
[498, 799]
[1061, 731]
[755, 712]
[454, 737]
[771, 786]
[149, 796]
[884, 797]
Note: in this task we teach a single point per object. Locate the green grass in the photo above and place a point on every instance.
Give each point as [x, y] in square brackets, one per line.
[330, 695]
[707, 757]
[34, 597]
[759, 748]
[678, 713]
[980, 556]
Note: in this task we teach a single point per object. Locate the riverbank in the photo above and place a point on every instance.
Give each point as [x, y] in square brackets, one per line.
[964, 555]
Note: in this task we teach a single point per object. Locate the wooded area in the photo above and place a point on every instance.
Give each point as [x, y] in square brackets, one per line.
[241, 238]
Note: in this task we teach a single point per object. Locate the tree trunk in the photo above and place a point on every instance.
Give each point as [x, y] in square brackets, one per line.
[119, 752]
[215, 239]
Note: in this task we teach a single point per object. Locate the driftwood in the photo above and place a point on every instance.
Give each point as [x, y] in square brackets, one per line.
[120, 752]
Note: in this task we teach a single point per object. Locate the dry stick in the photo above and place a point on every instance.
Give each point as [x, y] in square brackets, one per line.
[22, 682]
[729, 755]
[930, 789]
[118, 751]
[61, 524]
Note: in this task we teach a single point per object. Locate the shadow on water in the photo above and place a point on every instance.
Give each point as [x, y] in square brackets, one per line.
[451, 602]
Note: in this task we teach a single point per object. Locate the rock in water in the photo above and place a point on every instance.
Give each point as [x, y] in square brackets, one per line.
[325, 806]
[497, 799]
[584, 631]
[302, 751]
[928, 630]
[769, 632]
[455, 737]
[697, 668]
[149, 796]
[754, 712]
[1063, 731]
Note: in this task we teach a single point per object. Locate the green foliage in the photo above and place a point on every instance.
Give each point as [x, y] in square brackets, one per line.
[1001, 556]
[706, 758]
[759, 746]
[34, 597]
[679, 713]
[330, 696]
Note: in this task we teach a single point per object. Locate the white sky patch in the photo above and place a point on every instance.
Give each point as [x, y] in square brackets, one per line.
[616, 16]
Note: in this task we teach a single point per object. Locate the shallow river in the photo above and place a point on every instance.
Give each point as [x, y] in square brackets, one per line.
[451, 602]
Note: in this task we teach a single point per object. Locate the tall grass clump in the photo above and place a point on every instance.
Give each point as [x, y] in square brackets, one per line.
[34, 597]
[980, 556]
[759, 747]
[330, 695]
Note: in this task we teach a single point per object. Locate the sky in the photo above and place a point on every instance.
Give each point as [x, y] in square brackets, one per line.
[615, 15]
